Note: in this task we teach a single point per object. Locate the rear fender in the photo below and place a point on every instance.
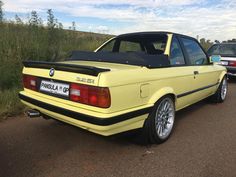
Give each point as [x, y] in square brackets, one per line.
[160, 93]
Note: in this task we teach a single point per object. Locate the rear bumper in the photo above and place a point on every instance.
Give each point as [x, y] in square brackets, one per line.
[104, 126]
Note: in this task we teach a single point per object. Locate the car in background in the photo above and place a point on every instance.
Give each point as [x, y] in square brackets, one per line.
[227, 51]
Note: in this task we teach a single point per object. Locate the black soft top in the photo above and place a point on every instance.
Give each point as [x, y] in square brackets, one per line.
[130, 58]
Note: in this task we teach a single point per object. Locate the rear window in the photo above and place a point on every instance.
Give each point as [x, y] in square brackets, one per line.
[148, 43]
[127, 46]
[223, 50]
[141, 49]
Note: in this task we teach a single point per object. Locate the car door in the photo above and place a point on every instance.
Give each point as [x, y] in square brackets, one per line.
[184, 77]
[205, 76]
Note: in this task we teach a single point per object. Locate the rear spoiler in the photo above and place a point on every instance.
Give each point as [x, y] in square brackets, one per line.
[89, 70]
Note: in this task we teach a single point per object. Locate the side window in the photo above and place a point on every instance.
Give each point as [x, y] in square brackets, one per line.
[127, 46]
[176, 54]
[195, 52]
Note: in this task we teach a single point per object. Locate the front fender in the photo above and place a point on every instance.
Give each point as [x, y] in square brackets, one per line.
[223, 73]
[160, 93]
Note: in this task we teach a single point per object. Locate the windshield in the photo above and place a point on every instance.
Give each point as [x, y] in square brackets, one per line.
[153, 44]
[224, 50]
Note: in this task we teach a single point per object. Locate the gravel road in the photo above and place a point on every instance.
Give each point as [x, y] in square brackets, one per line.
[203, 144]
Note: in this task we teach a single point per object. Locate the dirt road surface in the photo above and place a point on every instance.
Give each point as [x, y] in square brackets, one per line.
[203, 144]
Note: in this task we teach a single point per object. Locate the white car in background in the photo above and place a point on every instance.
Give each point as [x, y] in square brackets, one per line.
[227, 51]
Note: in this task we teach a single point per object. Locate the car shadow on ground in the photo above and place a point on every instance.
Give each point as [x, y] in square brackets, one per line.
[125, 138]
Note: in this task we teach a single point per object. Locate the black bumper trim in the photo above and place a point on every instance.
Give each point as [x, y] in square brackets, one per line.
[83, 117]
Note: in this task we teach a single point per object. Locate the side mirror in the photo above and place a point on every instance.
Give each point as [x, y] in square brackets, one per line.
[215, 58]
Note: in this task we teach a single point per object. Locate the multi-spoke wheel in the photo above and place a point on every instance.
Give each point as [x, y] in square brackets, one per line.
[164, 118]
[224, 88]
[221, 92]
[159, 124]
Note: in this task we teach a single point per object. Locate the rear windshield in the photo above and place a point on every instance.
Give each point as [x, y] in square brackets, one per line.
[148, 43]
[225, 50]
[139, 49]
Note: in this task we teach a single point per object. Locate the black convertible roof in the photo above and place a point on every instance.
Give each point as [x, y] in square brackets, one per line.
[150, 60]
[151, 33]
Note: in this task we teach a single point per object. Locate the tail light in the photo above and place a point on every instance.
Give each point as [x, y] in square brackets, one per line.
[90, 95]
[30, 82]
[232, 63]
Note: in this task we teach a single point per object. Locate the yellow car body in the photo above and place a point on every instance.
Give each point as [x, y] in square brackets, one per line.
[134, 90]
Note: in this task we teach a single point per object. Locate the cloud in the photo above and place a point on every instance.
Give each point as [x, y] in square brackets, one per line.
[16, 5]
[209, 19]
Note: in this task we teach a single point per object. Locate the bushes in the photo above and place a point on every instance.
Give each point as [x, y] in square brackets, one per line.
[20, 42]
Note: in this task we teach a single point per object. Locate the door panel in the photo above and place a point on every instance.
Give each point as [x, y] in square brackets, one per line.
[204, 75]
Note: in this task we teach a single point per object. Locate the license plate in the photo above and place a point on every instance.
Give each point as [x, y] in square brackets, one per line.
[54, 88]
[225, 63]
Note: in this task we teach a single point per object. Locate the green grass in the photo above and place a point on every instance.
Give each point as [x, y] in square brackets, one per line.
[25, 42]
[9, 103]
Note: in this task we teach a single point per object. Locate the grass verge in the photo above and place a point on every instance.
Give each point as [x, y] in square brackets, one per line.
[10, 104]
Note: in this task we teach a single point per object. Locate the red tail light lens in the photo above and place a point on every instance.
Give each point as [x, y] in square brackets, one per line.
[90, 95]
[30, 82]
[232, 63]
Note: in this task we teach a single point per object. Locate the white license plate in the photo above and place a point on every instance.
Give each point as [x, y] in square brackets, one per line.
[54, 88]
[225, 63]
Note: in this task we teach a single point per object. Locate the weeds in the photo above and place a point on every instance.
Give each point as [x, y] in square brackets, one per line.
[27, 42]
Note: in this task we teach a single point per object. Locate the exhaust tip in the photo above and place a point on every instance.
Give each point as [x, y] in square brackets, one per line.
[33, 113]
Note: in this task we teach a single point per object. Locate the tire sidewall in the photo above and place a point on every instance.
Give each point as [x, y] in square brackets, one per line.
[220, 89]
[154, 136]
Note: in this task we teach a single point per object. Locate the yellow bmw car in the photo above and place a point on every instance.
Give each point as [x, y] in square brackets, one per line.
[132, 81]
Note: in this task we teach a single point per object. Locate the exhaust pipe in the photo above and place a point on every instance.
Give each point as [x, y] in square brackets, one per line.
[32, 113]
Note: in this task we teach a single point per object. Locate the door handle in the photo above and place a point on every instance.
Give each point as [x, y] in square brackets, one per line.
[195, 72]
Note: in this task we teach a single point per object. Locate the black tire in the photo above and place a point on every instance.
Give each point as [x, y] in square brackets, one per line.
[218, 96]
[149, 134]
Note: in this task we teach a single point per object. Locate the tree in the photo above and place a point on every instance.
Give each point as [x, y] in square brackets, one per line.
[73, 26]
[34, 19]
[206, 44]
[232, 40]
[40, 21]
[18, 20]
[51, 19]
[1, 11]
[60, 25]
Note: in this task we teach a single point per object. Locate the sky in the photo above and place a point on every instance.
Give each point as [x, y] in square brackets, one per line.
[210, 19]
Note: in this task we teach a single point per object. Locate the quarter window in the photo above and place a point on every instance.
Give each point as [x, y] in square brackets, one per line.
[176, 54]
[195, 52]
[108, 47]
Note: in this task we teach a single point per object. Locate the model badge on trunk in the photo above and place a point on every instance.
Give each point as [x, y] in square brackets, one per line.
[90, 81]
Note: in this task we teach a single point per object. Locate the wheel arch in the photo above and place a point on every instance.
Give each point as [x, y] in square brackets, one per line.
[222, 75]
[166, 91]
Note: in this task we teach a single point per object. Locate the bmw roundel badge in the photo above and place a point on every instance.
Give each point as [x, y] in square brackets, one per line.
[51, 72]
